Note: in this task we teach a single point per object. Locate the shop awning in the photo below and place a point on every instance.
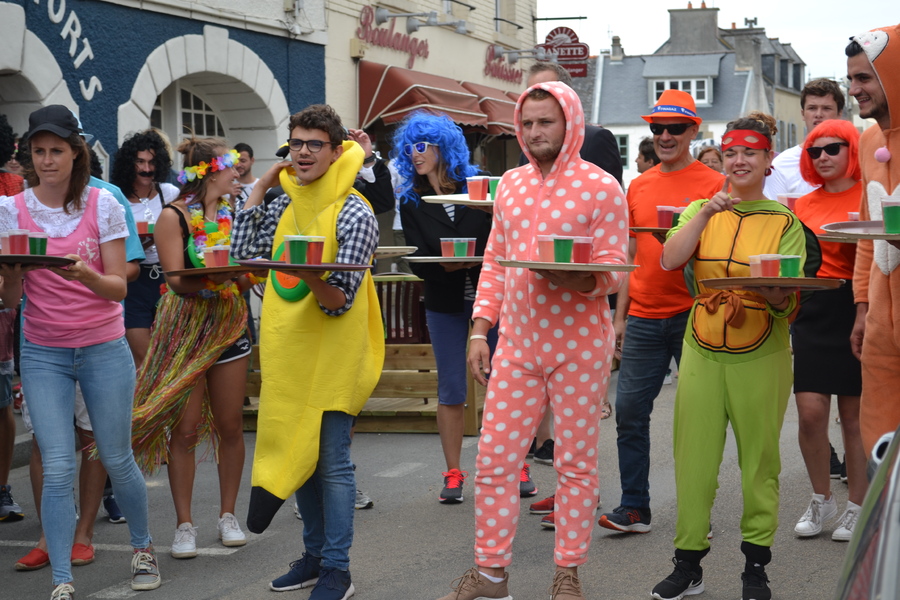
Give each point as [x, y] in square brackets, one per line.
[390, 93]
[497, 106]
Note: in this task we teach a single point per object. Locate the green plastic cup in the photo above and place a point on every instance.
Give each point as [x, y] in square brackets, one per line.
[790, 265]
[890, 209]
[493, 182]
[295, 249]
[562, 249]
[460, 247]
[37, 243]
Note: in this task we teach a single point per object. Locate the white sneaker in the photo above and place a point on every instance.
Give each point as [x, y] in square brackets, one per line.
[230, 531]
[363, 501]
[845, 528]
[819, 511]
[185, 544]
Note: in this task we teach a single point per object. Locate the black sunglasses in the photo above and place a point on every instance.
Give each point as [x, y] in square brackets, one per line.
[314, 146]
[831, 149]
[673, 128]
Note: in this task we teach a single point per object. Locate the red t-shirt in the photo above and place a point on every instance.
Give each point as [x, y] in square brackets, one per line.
[654, 292]
[820, 208]
[10, 184]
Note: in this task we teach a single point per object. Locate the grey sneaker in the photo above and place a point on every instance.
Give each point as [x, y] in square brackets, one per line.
[144, 570]
[527, 487]
[362, 501]
[63, 591]
[472, 586]
[9, 510]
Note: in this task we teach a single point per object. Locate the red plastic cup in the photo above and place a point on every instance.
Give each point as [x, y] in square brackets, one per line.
[770, 264]
[216, 256]
[664, 216]
[581, 249]
[315, 248]
[478, 187]
[18, 241]
[447, 249]
[143, 227]
[470, 250]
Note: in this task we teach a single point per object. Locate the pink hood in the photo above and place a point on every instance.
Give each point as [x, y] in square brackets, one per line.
[571, 107]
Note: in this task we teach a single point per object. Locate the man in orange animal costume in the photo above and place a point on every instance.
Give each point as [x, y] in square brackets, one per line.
[873, 59]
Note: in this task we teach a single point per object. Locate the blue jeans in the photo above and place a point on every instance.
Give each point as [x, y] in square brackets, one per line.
[449, 338]
[326, 501]
[106, 375]
[647, 351]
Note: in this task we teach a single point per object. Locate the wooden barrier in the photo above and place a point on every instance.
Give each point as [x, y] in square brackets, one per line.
[404, 401]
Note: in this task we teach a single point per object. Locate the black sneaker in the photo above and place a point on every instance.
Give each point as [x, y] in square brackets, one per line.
[756, 584]
[527, 487]
[835, 465]
[844, 470]
[627, 519]
[544, 454]
[453, 486]
[531, 448]
[333, 584]
[685, 580]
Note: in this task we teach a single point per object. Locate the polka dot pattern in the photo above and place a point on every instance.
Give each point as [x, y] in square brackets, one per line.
[555, 345]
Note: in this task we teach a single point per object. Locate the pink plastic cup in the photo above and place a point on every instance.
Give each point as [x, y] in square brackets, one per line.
[853, 216]
[447, 247]
[216, 256]
[470, 249]
[755, 266]
[545, 248]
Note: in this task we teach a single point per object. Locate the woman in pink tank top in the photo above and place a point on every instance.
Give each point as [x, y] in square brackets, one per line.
[74, 333]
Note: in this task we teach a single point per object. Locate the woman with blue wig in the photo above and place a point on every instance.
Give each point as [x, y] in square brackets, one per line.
[431, 157]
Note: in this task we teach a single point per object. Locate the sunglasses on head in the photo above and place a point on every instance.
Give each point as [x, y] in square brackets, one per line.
[831, 149]
[313, 146]
[672, 128]
[418, 147]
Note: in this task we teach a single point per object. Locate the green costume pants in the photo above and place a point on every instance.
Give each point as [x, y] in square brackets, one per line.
[753, 397]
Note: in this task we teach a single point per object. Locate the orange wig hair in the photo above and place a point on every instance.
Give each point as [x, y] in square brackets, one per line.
[837, 128]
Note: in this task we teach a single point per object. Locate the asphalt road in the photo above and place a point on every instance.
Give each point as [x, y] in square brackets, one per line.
[411, 547]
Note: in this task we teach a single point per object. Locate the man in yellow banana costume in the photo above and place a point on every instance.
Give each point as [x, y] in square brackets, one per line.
[321, 347]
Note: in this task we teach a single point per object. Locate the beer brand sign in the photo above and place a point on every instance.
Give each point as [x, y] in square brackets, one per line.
[497, 67]
[386, 37]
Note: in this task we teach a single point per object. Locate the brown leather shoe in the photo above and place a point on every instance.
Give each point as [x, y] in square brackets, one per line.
[566, 586]
[472, 586]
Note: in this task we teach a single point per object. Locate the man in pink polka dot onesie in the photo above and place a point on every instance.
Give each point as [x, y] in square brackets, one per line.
[556, 340]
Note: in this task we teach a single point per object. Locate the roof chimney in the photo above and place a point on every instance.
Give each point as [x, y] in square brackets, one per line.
[703, 4]
[690, 5]
[617, 53]
[733, 25]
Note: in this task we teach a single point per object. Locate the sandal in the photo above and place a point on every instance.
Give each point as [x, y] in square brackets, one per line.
[34, 560]
[82, 555]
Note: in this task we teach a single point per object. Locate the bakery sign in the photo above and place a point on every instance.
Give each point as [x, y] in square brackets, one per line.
[571, 54]
[498, 67]
[386, 37]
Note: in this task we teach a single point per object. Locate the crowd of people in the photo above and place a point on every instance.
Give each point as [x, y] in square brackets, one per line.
[150, 362]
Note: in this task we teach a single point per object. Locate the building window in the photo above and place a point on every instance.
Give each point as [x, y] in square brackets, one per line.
[779, 140]
[622, 143]
[197, 116]
[179, 112]
[700, 89]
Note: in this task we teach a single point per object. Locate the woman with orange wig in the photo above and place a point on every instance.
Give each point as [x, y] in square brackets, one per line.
[823, 361]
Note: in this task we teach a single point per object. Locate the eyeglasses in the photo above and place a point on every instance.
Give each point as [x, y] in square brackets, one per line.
[831, 149]
[672, 128]
[314, 146]
[419, 147]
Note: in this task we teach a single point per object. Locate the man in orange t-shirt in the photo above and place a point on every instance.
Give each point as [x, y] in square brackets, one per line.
[655, 301]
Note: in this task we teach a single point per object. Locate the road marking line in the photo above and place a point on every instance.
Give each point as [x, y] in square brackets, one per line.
[126, 548]
[401, 470]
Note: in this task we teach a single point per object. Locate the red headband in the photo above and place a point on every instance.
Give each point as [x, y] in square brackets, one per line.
[745, 137]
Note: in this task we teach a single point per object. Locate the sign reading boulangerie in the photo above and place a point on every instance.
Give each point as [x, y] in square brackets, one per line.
[386, 37]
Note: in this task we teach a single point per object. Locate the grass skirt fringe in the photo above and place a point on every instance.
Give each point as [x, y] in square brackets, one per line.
[189, 335]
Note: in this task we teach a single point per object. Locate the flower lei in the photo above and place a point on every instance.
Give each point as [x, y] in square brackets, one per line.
[219, 163]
